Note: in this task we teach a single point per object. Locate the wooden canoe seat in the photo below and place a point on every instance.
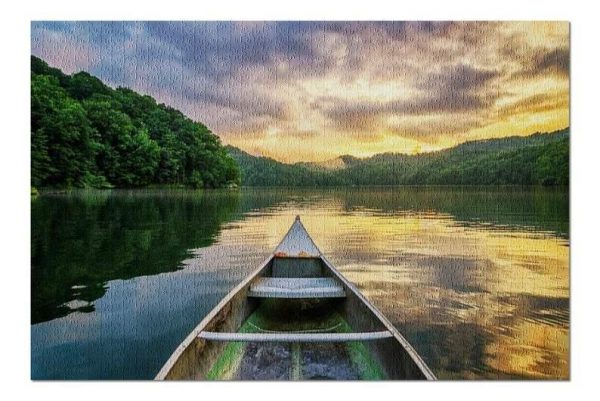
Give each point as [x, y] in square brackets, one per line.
[280, 287]
[295, 337]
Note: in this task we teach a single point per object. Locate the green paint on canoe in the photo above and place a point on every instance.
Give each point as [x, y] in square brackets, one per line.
[296, 373]
[228, 362]
[225, 367]
[270, 316]
[367, 367]
[295, 315]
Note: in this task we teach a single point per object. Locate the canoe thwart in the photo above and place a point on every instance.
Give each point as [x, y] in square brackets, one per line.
[295, 337]
[281, 287]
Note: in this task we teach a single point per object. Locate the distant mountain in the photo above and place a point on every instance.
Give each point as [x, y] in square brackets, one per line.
[337, 163]
[264, 171]
[538, 159]
[512, 142]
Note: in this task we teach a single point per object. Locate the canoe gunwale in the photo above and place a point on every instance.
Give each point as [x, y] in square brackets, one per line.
[189, 340]
[388, 325]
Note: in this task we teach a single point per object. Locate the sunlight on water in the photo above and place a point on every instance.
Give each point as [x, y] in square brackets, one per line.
[428, 274]
[476, 279]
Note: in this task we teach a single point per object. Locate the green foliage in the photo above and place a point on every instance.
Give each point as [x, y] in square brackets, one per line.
[96, 181]
[196, 180]
[83, 85]
[86, 134]
[62, 138]
[540, 159]
[552, 165]
[265, 172]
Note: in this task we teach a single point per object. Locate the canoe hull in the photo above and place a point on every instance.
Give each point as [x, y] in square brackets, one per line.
[396, 356]
[195, 357]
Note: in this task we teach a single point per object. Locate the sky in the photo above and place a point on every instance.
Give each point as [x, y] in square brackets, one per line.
[312, 91]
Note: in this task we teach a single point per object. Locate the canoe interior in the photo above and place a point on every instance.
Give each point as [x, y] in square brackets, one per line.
[200, 359]
[295, 361]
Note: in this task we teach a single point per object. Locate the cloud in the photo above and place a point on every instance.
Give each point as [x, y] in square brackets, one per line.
[460, 78]
[534, 104]
[60, 50]
[326, 82]
[537, 59]
[444, 94]
[554, 61]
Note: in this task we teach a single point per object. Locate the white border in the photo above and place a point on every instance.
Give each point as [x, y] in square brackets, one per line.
[14, 64]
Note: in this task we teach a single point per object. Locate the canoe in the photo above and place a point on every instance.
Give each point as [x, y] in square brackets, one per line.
[295, 318]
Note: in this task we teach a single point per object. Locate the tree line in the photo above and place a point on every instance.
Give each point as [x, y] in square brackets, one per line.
[539, 159]
[86, 134]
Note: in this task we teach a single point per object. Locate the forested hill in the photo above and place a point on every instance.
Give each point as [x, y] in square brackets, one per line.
[86, 134]
[539, 159]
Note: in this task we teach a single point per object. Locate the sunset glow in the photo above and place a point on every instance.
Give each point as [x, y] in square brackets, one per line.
[312, 91]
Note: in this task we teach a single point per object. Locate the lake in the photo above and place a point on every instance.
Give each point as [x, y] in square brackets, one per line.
[477, 279]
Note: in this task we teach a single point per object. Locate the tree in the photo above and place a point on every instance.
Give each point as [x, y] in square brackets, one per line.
[86, 134]
[83, 86]
[63, 141]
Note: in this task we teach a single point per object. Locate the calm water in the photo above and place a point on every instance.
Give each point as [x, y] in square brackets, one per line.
[477, 279]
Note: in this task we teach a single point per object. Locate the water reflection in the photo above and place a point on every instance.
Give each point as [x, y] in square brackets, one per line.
[477, 279]
[82, 241]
